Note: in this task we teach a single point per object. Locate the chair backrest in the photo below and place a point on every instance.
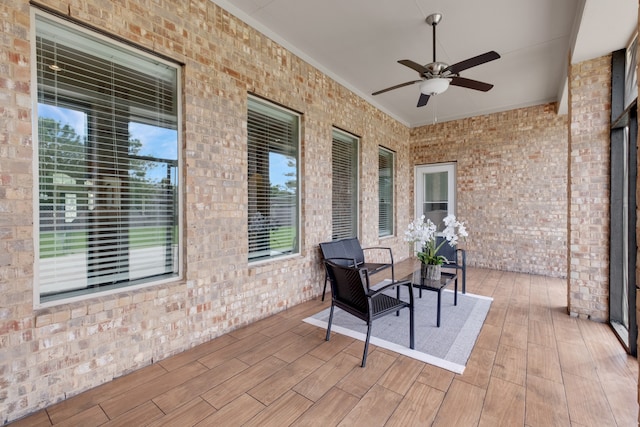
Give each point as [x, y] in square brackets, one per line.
[349, 286]
[344, 248]
[354, 249]
[447, 251]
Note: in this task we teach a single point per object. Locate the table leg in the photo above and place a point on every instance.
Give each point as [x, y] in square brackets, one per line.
[439, 293]
[455, 292]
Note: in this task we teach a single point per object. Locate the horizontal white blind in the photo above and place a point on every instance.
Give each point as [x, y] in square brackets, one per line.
[385, 192]
[107, 164]
[345, 186]
[273, 180]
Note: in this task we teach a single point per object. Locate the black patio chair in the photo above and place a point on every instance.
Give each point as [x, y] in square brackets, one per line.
[349, 250]
[456, 258]
[350, 292]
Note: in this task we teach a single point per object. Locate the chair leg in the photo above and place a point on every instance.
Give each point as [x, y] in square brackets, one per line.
[412, 342]
[324, 290]
[464, 272]
[464, 280]
[366, 345]
[329, 323]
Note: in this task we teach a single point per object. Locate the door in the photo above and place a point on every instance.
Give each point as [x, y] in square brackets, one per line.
[435, 196]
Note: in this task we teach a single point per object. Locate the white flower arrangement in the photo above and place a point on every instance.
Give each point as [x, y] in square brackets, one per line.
[423, 234]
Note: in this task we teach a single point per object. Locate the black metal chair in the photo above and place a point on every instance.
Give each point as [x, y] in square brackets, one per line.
[352, 253]
[456, 258]
[350, 292]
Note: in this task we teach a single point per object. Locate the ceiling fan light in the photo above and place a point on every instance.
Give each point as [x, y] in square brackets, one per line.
[434, 86]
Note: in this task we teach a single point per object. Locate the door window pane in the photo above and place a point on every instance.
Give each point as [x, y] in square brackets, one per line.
[436, 197]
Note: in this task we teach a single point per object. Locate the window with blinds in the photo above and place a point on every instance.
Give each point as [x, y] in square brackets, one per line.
[108, 164]
[386, 160]
[273, 200]
[344, 162]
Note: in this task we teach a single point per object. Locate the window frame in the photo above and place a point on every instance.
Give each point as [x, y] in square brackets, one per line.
[344, 137]
[69, 28]
[391, 215]
[623, 171]
[274, 110]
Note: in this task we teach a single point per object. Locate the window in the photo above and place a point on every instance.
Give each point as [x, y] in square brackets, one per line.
[273, 143]
[108, 166]
[385, 192]
[344, 202]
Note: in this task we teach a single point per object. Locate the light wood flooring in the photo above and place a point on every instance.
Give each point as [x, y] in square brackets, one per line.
[533, 365]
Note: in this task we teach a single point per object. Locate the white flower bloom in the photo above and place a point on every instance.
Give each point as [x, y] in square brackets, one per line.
[449, 220]
[422, 236]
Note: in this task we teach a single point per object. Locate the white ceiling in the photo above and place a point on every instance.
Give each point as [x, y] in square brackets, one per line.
[358, 43]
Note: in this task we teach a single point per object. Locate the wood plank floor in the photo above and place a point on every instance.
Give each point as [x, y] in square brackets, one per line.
[533, 365]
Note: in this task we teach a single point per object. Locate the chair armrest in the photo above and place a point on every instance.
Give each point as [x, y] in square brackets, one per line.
[463, 252]
[381, 248]
[392, 284]
[406, 283]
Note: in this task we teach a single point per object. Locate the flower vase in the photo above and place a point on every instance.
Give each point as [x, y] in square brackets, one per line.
[430, 271]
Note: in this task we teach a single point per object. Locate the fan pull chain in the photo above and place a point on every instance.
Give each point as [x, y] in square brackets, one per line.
[435, 109]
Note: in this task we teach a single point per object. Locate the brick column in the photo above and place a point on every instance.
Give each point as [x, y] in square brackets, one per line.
[588, 207]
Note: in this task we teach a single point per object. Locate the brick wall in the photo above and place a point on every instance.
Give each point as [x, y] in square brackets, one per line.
[511, 185]
[588, 248]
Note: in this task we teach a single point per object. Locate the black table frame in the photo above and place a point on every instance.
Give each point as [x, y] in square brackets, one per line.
[435, 286]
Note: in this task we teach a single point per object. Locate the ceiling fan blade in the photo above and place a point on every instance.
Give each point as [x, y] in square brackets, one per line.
[422, 101]
[472, 62]
[470, 84]
[396, 87]
[413, 65]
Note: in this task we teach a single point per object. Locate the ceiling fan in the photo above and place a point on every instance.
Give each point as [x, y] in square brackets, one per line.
[436, 77]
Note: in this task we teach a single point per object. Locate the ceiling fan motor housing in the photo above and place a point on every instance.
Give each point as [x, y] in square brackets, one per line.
[435, 68]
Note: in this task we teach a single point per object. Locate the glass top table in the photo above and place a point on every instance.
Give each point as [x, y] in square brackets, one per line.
[433, 285]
